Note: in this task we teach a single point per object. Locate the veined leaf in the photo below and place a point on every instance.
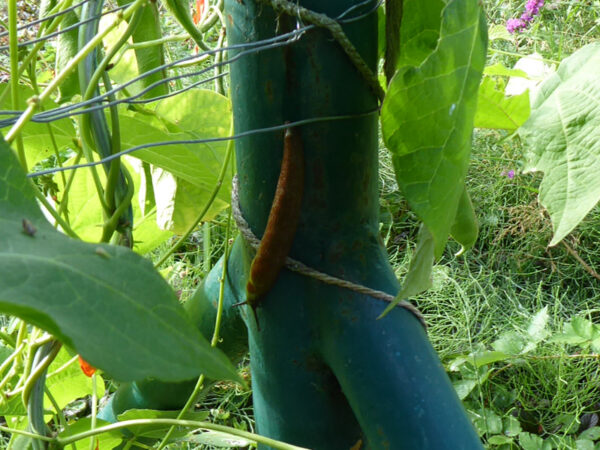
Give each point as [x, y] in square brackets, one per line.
[195, 114]
[496, 110]
[427, 115]
[37, 137]
[563, 140]
[418, 278]
[106, 302]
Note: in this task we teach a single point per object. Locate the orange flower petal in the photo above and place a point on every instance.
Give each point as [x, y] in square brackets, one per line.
[86, 367]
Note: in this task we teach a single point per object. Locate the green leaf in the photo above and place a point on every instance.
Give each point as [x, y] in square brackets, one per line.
[485, 358]
[420, 30]
[37, 139]
[537, 330]
[563, 140]
[511, 426]
[510, 343]
[464, 387]
[179, 202]
[569, 336]
[583, 327]
[499, 439]
[530, 441]
[489, 422]
[497, 111]
[584, 444]
[591, 433]
[107, 440]
[465, 228]
[500, 32]
[12, 406]
[498, 70]
[106, 302]
[418, 278]
[427, 115]
[85, 211]
[195, 114]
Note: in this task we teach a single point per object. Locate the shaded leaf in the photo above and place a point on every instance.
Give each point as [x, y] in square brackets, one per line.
[111, 306]
[465, 228]
[418, 278]
[69, 383]
[86, 216]
[485, 358]
[591, 433]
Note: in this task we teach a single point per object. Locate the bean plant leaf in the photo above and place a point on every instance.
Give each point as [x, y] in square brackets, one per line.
[563, 140]
[465, 228]
[427, 115]
[86, 215]
[497, 111]
[418, 278]
[39, 138]
[106, 302]
[195, 114]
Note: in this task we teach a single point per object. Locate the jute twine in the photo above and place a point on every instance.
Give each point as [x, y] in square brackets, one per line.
[299, 267]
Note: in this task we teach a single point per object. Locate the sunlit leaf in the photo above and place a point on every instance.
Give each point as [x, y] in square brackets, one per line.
[427, 115]
[563, 140]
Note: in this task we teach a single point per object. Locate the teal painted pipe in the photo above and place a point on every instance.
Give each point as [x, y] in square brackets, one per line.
[325, 373]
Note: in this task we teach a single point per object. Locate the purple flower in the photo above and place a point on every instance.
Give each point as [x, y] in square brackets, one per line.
[533, 6]
[532, 9]
[513, 25]
[510, 174]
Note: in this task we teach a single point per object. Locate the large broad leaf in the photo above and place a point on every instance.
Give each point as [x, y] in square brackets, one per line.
[498, 111]
[427, 115]
[38, 137]
[195, 114]
[106, 302]
[563, 140]
[85, 211]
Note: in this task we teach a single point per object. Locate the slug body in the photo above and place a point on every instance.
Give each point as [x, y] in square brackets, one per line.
[282, 222]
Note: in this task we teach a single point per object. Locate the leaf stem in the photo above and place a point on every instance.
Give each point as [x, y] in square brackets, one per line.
[27, 433]
[13, 38]
[183, 423]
